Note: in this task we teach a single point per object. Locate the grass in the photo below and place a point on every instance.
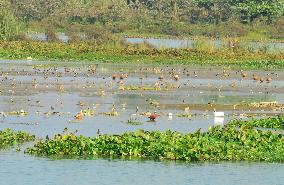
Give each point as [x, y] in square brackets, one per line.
[124, 53]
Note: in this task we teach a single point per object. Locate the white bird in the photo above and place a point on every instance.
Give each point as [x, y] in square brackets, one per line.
[170, 116]
[218, 114]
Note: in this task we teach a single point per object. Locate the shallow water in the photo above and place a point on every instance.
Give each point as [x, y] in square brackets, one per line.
[17, 168]
[176, 43]
[37, 87]
[42, 87]
[189, 43]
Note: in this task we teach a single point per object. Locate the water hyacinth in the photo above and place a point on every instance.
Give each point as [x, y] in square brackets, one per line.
[273, 122]
[9, 138]
[217, 144]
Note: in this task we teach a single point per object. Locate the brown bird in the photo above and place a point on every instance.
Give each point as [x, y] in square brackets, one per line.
[261, 80]
[255, 77]
[161, 77]
[176, 77]
[80, 115]
[243, 74]
[268, 80]
[153, 116]
[114, 76]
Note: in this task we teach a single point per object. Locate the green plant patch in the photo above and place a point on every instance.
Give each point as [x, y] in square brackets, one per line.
[217, 144]
[10, 138]
[183, 115]
[272, 122]
[126, 53]
[133, 122]
[137, 88]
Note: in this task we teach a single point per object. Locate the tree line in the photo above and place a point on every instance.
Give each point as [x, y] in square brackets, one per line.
[171, 16]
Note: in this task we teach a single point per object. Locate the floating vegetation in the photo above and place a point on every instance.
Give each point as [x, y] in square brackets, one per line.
[138, 88]
[184, 115]
[134, 122]
[217, 144]
[88, 112]
[274, 105]
[18, 113]
[272, 122]
[112, 113]
[9, 138]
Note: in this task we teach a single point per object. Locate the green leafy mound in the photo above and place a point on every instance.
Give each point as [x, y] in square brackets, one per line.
[9, 138]
[273, 122]
[217, 144]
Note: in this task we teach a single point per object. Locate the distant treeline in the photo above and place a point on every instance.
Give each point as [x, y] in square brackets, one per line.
[215, 18]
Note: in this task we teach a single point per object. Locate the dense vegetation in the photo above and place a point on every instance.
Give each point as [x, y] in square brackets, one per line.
[273, 122]
[213, 18]
[217, 144]
[9, 138]
[123, 53]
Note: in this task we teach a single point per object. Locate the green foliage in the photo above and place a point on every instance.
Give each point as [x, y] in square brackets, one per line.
[217, 18]
[9, 138]
[217, 144]
[273, 122]
[252, 9]
[9, 26]
[123, 53]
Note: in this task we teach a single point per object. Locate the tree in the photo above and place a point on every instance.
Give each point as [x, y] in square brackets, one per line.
[250, 10]
[9, 25]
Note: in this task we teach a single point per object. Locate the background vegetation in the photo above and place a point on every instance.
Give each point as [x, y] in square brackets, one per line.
[256, 19]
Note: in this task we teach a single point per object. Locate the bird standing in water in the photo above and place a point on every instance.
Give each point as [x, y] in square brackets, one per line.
[154, 116]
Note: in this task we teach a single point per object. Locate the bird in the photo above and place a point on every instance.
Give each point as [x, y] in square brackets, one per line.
[121, 76]
[268, 80]
[176, 77]
[261, 80]
[80, 115]
[114, 76]
[255, 77]
[153, 116]
[243, 74]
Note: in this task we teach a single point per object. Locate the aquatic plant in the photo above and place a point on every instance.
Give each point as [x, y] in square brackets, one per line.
[133, 122]
[19, 113]
[217, 144]
[123, 53]
[112, 113]
[9, 138]
[272, 122]
[184, 115]
[136, 88]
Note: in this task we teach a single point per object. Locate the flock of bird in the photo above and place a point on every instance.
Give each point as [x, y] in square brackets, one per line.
[96, 77]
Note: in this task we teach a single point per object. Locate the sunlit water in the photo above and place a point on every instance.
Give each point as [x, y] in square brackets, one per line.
[18, 93]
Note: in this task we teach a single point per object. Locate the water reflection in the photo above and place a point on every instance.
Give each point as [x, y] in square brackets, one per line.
[219, 121]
